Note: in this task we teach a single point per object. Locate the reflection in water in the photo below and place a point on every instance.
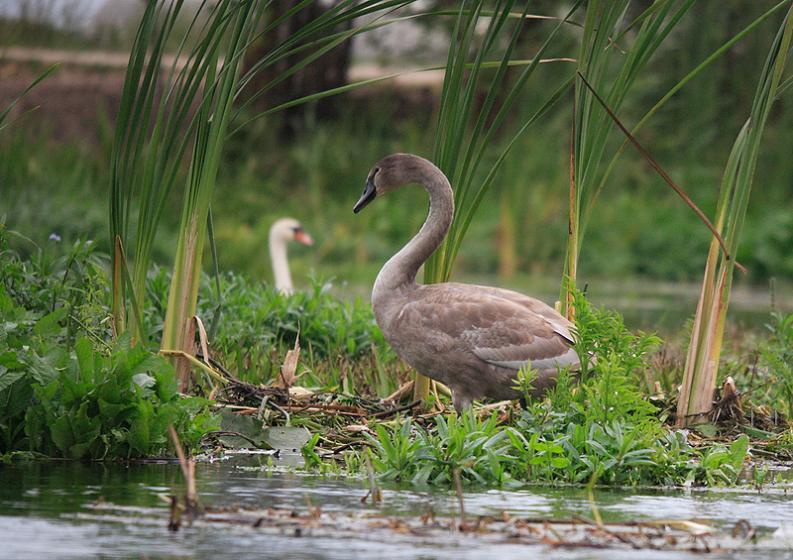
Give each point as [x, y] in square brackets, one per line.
[74, 510]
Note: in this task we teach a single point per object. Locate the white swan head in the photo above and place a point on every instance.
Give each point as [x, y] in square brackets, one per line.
[285, 230]
[391, 173]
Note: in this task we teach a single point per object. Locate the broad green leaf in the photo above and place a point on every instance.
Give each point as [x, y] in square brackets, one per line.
[143, 380]
[110, 412]
[738, 451]
[8, 378]
[62, 435]
[85, 359]
[49, 324]
[15, 400]
[708, 430]
[78, 451]
[9, 360]
[139, 436]
[42, 369]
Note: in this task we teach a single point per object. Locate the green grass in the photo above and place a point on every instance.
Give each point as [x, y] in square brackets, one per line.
[68, 389]
[776, 359]
[487, 454]
[251, 333]
[72, 388]
[341, 347]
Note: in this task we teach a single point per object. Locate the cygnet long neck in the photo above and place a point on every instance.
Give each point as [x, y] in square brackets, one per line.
[400, 271]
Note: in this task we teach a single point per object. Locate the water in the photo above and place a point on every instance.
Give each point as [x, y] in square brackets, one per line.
[69, 510]
[650, 305]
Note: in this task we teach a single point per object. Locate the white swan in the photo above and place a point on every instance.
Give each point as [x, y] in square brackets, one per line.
[282, 232]
[472, 338]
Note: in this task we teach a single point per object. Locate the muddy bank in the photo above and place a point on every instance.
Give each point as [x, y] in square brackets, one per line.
[79, 101]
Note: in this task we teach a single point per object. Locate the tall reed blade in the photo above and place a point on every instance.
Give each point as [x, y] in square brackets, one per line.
[658, 169]
[704, 352]
[210, 134]
[10, 107]
[166, 109]
[611, 60]
[119, 310]
[148, 145]
[697, 70]
[464, 131]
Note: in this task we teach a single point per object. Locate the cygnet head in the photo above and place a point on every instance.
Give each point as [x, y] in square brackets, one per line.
[389, 174]
[289, 229]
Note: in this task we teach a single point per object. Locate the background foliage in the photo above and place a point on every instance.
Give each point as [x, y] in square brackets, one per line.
[316, 170]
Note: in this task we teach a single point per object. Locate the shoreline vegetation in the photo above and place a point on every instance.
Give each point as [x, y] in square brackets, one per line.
[82, 317]
[70, 391]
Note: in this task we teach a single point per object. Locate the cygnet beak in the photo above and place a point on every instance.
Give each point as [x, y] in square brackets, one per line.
[369, 192]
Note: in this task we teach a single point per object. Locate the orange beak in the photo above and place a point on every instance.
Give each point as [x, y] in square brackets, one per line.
[303, 237]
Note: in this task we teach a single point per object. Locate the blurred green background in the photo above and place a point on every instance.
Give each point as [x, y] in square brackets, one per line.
[311, 163]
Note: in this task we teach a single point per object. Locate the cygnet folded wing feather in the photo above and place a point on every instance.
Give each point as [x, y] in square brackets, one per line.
[559, 324]
[502, 332]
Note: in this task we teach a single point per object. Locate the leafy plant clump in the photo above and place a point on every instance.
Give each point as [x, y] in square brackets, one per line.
[600, 429]
[69, 389]
[116, 406]
[63, 394]
[251, 327]
[83, 402]
[256, 318]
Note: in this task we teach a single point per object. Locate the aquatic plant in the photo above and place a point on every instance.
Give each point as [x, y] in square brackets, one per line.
[777, 358]
[190, 108]
[119, 406]
[146, 159]
[65, 389]
[342, 347]
[343, 350]
[604, 36]
[704, 352]
[598, 54]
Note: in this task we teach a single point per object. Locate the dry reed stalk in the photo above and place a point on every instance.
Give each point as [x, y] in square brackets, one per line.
[374, 490]
[458, 486]
[287, 376]
[401, 392]
[214, 374]
[191, 507]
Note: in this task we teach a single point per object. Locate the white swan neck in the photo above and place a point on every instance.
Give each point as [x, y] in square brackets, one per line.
[283, 279]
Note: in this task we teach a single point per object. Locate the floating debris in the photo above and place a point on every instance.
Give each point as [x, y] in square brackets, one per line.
[578, 532]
